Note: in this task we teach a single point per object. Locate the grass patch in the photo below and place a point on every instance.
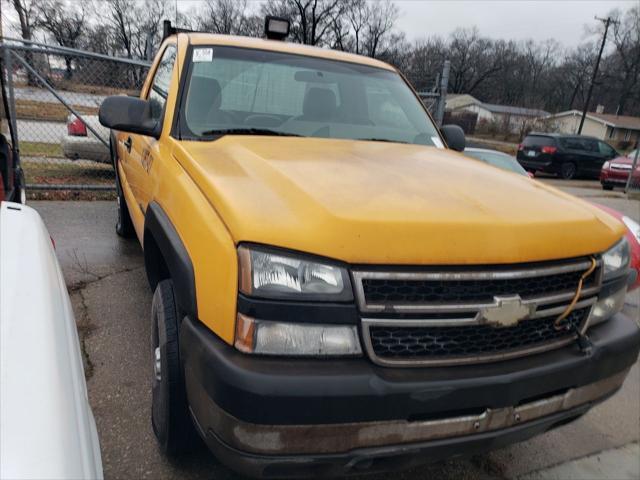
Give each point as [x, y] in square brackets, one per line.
[47, 111]
[41, 149]
[68, 173]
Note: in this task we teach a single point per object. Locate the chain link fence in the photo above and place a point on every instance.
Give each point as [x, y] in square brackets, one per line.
[54, 95]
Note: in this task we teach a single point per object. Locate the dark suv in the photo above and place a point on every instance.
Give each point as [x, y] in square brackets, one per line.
[565, 155]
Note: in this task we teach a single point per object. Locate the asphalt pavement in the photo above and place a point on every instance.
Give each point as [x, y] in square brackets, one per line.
[112, 303]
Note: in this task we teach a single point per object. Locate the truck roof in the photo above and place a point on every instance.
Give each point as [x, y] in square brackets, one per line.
[279, 46]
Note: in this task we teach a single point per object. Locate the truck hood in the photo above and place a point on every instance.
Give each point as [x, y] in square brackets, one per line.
[388, 203]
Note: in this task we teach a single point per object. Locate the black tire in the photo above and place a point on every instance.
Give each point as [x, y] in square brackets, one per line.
[607, 186]
[170, 416]
[20, 195]
[568, 170]
[124, 225]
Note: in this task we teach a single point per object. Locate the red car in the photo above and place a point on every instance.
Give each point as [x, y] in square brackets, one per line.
[616, 172]
[633, 235]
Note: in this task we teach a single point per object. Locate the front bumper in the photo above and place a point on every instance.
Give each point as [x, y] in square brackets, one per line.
[614, 177]
[275, 418]
[541, 163]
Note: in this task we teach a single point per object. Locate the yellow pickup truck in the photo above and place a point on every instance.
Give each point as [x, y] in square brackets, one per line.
[336, 288]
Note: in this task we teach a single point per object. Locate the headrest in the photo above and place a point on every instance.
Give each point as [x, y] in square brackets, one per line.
[319, 104]
[203, 97]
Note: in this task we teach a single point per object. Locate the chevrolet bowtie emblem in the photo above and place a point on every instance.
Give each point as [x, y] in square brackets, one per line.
[506, 311]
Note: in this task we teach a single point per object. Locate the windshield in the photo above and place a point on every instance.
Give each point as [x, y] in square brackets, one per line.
[497, 159]
[233, 90]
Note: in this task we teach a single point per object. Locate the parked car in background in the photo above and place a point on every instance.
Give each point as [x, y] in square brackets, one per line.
[633, 236]
[81, 143]
[567, 156]
[47, 429]
[497, 159]
[615, 173]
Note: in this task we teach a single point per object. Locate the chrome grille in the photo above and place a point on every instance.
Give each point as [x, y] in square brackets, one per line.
[466, 343]
[388, 291]
[446, 316]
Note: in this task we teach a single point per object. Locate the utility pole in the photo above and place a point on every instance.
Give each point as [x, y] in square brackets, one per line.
[607, 22]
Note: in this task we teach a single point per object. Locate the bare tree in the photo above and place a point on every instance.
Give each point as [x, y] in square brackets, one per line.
[26, 10]
[65, 22]
[136, 25]
[225, 16]
[380, 20]
[626, 59]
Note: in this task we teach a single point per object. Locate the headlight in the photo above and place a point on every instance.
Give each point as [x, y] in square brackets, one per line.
[616, 260]
[633, 227]
[274, 274]
[605, 166]
[295, 339]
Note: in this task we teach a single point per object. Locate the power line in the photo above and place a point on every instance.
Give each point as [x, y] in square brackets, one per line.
[607, 22]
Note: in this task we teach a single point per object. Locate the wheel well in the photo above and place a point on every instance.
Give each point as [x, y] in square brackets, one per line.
[154, 261]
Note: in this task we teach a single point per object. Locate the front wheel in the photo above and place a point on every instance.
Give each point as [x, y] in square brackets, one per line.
[124, 225]
[568, 170]
[170, 416]
[606, 186]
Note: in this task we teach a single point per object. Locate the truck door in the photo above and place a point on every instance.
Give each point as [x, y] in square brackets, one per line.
[139, 149]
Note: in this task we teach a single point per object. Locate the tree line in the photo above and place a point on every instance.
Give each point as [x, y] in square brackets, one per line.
[534, 73]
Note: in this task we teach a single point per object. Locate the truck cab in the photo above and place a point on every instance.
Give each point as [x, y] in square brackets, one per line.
[336, 288]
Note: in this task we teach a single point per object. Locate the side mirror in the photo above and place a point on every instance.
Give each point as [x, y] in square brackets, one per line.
[454, 136]
[128, 114]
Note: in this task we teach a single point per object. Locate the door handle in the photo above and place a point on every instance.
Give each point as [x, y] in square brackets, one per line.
[127, 144]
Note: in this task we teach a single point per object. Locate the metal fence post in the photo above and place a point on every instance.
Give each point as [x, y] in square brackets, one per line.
[12, 100]
[442, 99]
[633, 168]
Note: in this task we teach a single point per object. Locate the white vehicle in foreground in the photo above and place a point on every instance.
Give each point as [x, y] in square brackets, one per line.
[47, 429]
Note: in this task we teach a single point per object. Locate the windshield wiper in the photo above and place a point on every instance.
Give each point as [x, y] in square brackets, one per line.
[249, 131]
[380, 140]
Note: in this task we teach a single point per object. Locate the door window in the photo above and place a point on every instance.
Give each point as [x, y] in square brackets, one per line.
[573, 144]
[159, 90]
[590, 146]
[606, 150]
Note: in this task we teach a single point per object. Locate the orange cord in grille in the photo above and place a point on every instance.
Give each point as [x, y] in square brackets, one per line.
[557, 323]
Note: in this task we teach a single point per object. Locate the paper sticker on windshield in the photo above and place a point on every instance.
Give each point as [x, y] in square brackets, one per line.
[202, 54]
[437, 142]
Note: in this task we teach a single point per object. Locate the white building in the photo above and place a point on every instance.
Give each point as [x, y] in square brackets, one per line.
[600, 125]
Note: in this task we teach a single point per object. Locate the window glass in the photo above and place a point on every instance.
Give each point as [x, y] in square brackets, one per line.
[574, 143]
[497, 159]
[239, 88]
[159, 90]
[605, 149]
[590, 145]
[538, 141]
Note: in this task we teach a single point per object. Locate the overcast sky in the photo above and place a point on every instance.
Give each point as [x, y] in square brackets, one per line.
[563, 20]
[508, 19]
